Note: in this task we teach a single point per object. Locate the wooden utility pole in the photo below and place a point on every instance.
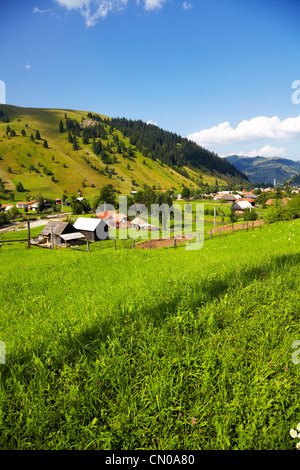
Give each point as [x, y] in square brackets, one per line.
[28, 233]
[51, 237]
[215, 216]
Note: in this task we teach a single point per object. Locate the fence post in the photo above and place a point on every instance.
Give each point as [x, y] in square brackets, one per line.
[210, 234]
[115, 244]
[87, 245]
[175, 241]
[220, 232]
[28, 233]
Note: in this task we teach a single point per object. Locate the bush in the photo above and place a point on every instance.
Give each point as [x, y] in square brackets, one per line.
[250, 214]
[276, 212]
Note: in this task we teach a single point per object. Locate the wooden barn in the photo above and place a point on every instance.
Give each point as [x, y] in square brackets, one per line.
[92, 229]
[63, 232]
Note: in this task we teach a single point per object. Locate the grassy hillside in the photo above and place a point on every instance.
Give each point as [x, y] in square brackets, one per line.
[265, 170]
[52, 170]
[160, 349]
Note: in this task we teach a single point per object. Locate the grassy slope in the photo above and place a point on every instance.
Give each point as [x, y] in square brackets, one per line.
[122, 349]
[14, 152]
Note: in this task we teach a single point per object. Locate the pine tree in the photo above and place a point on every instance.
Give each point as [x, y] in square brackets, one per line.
[45, 144]
[37, 135]
[61, 126]
[75, 144]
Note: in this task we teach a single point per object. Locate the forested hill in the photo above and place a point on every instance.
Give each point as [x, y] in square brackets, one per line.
[172, 149]
[51, 151]
[265, 169]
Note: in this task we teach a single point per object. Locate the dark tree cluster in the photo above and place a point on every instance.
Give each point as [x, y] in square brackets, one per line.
[3, 117]
[170, 148]
[74, 130]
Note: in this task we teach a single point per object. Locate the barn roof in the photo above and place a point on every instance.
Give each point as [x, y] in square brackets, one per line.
[72, 236]
[58, 228]
[87, 224]
[242, 204]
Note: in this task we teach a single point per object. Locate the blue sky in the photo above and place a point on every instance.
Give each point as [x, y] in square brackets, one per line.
[218, 71]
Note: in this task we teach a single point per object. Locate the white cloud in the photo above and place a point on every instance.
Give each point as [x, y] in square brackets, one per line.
[154, 4]
[70, 4]
[257, 128]
[93, 10]
[27, 66]
[37, 10]
[153, 123]
[187, 5]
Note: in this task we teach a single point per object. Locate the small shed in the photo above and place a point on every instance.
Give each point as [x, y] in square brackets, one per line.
[59, 230]
[92, 229]
[241, 206]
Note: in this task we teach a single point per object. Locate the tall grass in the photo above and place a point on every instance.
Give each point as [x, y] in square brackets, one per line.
[166, 349]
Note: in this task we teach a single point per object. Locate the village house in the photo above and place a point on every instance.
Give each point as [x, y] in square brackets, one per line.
[6, 207]
[138, 223]
[230, 197]
[22, 205]
[270, 202]
[240, 206]
[117, 221]
[249, 199]
[105, 215]
[33, 207]
[249, 195]
[93, 229]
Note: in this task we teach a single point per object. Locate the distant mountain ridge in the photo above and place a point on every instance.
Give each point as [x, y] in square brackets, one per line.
[266, 169]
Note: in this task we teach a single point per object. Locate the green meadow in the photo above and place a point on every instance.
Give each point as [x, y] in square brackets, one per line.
[151, 349]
